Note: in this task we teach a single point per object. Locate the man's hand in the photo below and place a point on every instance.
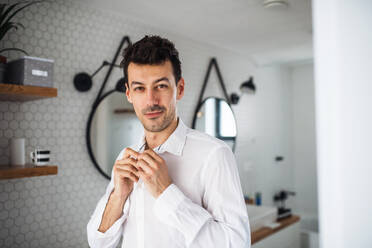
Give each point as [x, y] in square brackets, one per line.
[125, 173]
[153, 171]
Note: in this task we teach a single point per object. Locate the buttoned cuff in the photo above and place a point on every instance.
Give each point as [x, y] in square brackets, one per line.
[173, 208]
[168, 201]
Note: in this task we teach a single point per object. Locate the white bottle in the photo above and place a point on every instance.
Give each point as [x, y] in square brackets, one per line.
[17, 151]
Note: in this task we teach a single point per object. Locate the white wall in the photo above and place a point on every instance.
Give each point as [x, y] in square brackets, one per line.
[280, 120]
[264, 132]
[342, 42]
[304, 141]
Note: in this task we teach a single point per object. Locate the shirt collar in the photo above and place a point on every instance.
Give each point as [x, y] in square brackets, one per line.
[174, 144]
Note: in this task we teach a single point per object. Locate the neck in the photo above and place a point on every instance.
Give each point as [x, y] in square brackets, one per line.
[154, 139]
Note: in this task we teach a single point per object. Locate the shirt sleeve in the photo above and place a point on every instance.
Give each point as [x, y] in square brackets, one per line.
[223, 218]
[111, 237]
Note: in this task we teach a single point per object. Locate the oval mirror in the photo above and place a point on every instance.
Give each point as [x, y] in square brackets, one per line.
[215, 117]
[112, 126]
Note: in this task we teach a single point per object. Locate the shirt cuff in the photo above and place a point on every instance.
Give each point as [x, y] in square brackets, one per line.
[168, 201]
[173, 208]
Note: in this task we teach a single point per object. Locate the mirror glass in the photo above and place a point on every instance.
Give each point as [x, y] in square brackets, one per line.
[114, 126]
[215, 117]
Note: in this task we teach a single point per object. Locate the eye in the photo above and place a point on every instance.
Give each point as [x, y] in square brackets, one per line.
[162, 86]
[140, 88]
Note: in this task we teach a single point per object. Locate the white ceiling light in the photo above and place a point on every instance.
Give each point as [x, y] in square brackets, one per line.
[276, 4]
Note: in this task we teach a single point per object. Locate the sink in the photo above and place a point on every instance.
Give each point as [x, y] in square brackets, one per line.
[259, 216]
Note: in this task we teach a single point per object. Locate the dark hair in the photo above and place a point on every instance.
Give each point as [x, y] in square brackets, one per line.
[151, 50]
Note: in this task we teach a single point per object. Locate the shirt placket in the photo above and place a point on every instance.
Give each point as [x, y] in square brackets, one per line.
[140, 216]
[140, 211]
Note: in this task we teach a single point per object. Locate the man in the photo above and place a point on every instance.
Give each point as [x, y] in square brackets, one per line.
[177, 187]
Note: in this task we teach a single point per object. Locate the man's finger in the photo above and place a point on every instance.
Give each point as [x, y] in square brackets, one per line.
[130, 152]
[127, 167]
[142, 175]
[131, 161]
[154, 155]
[142, 164]
[149, 160]
[128, 174]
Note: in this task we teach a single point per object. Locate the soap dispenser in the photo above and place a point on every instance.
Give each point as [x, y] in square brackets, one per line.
[280, 197]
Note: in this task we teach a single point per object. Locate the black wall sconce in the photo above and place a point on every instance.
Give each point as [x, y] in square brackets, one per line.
[83, 81]
[246, 87]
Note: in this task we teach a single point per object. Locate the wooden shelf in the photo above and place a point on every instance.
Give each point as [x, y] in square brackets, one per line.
[22, 93]
[27, 170]
[266, 231]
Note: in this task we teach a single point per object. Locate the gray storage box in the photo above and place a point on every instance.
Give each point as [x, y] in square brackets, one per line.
[30, 71]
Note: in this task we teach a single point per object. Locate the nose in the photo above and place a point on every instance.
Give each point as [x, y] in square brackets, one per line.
[152, 98]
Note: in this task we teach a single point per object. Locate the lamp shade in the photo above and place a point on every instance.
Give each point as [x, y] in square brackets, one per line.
[248, 86]
[83, 81]
[120, 85]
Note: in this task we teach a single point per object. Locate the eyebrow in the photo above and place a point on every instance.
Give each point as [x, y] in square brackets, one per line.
[156, 81]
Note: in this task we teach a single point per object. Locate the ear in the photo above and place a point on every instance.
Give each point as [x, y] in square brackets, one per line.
[180, 88]
[127, 93]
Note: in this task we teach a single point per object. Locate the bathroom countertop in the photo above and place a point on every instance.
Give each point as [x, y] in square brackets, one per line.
[266, 231]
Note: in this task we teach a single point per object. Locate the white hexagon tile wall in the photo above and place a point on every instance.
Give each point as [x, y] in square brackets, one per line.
[52, 211]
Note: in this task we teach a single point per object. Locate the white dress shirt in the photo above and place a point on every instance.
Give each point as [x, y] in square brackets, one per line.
[203, 207]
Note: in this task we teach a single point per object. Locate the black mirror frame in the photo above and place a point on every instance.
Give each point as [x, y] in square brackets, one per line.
[213, 62]
[87, 135]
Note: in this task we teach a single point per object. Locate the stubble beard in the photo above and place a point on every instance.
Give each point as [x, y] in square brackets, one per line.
[165, 122]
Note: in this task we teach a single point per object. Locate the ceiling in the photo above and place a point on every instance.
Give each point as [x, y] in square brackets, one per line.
[267, 36]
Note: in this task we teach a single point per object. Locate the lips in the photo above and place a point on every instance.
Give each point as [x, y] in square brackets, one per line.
[154, 114]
